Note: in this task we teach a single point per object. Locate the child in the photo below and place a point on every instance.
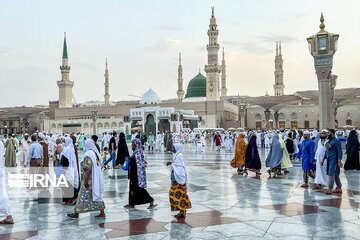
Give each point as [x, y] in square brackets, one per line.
[104, 156]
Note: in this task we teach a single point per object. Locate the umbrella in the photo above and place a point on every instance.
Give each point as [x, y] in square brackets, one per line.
[136, 128]
[231, 129]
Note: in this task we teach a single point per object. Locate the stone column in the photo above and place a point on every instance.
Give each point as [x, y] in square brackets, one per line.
[267, 118]
[276, 118]
[325, 105]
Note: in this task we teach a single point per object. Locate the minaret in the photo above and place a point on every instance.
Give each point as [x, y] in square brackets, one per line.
[65, 85]
[279, 72]
[106, 75]
[212, 69]
[223, 77]
[180, 92]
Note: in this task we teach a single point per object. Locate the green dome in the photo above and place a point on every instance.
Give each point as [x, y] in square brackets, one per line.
[196, 87]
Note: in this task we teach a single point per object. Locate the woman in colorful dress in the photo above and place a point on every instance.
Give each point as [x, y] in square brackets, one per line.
[240, 150]
[179, 200]
[91, 192]
[137, 176]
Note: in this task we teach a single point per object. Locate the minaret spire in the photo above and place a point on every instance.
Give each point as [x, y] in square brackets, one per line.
[106, 75]
[65, 54]
[212, 68]
[280, 48]
[180, 92]
[65, 85]
[223, 76]
[279, 72]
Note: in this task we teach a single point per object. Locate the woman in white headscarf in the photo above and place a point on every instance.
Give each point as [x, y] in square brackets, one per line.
[69, 162]
[5, 214]
[91, 192]
[179, 200]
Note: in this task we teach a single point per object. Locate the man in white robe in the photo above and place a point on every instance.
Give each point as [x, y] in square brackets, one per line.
[230, 141]
[321, 177]
[5, 215]
[222, 140]
[267, 140]
[25, 143]
[258, 139]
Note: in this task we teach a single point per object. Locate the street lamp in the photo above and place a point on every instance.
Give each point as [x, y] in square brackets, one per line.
[322, 47]
[94, 117]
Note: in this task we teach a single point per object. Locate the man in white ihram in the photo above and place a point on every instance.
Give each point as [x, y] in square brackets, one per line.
[5, 214]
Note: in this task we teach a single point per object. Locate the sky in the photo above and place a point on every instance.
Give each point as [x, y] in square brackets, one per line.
[142, 39]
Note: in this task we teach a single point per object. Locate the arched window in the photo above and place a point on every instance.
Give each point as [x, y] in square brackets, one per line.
[306, 124]
[293, 116]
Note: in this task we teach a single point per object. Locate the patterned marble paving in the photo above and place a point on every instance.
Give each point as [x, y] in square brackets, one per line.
[225, 205]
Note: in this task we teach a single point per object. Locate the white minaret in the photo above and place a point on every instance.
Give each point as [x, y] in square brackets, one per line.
[180, 92]
[212, 69]
[279, 72]
[65, 85]
[223, 77]
[106, 75]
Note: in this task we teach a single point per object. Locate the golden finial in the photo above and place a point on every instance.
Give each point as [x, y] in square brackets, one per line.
[267, 93]
[322, 25]
[106, 63]
[64, 34]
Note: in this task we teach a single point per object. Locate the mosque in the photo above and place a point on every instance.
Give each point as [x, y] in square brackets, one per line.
[204, 105]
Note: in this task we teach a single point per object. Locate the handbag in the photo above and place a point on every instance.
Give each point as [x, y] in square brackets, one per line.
[58, 171]
[126, 165]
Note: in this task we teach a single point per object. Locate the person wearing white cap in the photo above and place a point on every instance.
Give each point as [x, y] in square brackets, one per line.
[25, 143]
[307, 155]
[321, 177]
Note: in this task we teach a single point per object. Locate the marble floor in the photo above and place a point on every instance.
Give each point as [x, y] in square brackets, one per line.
[225, 205]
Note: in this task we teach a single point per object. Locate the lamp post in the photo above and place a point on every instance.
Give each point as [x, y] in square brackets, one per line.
[94, 117]
[41, 120]
[242, 112]
[322, 47]
[267, 118]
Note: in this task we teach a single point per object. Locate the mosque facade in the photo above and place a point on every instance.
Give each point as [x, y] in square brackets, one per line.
[202, 105]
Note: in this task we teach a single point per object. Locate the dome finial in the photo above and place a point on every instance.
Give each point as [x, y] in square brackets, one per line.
[322, 25]
[212, 12]
[199, 71]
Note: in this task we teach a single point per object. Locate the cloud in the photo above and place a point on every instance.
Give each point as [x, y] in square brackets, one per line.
[169, 27]
[5, 50]
[164, 45]
[274, 38]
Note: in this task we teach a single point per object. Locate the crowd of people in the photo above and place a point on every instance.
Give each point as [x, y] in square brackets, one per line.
[320, 154]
